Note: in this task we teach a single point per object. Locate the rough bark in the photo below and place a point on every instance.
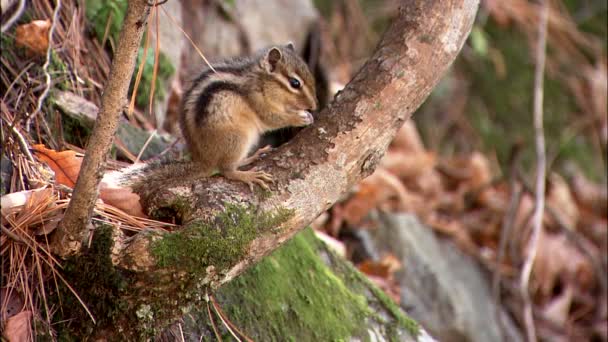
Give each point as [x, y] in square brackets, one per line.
[325, 160]
[74, 226]
[227, 227]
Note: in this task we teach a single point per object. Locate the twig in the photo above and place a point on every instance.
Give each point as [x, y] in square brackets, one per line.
[143, 148]
[189, 39]
[156, 57]
[580, 242]
[11, 235]
[22, 144]
[181, 332]
[140, 71]
[221, 313]
[45, 67]
[223, 321]
[217, 334]
[72, 231]
[539, 209]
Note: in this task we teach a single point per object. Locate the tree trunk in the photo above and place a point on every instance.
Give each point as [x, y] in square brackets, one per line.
[141, 284]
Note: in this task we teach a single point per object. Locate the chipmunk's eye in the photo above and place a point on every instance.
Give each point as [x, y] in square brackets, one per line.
[294, 83]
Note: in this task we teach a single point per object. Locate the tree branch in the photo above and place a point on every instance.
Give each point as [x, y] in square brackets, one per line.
[541, 166]
[227, 228]
[73, 228]
[324, 161]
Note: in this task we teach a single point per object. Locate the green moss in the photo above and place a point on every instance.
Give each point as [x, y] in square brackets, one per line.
[98, 283]
[102, 14]
[288, 290]
[110, 14]
[358, 282]
[7, 41]
[58, 69]
[220, 243]
[403, 321]
[499, 107]
[165, 70]
[299, 298]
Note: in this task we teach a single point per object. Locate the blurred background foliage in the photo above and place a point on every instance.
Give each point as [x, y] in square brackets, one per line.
[485, 102]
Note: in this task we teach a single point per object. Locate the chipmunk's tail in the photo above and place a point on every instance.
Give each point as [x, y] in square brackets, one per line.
[147, 173]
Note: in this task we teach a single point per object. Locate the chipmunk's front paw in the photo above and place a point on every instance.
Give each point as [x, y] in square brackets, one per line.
[305, 118]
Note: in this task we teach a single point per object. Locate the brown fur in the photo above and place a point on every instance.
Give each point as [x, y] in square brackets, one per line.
[225, 113]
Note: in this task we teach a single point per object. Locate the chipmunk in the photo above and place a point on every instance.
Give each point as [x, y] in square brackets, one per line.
[229, 106]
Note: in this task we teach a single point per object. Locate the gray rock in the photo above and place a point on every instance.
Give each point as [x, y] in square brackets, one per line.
[242, 27]
[441, 288]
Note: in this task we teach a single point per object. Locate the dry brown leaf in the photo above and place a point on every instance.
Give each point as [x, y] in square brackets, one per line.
[493, 8]
[382, 273]
[427, 184]
[558, 309]
[495, 199]
[65, 164]
[523, 214]
[454, 229]
[560, 198]
[11, 303]
[384, 268]
[408, 165]
[467, 173]
[408, 140]
[592, 196]
[34, 37]
[122, 198]
[479, 166]
[18, 328]
[558, 260]
[373, 192]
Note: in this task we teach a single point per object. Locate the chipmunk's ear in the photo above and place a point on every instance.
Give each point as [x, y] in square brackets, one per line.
[271, 59]
[290, 46]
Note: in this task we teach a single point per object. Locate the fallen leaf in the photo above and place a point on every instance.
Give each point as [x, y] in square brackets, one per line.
[373, 192]
[560, 198]
[11, 302]
[408, 165]
[592, 196]
[34, 37]
[407, 139]
[122, 198]
[470, 173]
[558, 309]
[558, 260]
[384, 268]
[65, 164]
[382, 273]
[18, 328]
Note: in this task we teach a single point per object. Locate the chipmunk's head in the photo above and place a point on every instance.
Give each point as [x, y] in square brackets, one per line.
[291, 85]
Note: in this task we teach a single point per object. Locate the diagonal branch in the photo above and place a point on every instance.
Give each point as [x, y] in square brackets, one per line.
[325, 160]
[226, 226]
